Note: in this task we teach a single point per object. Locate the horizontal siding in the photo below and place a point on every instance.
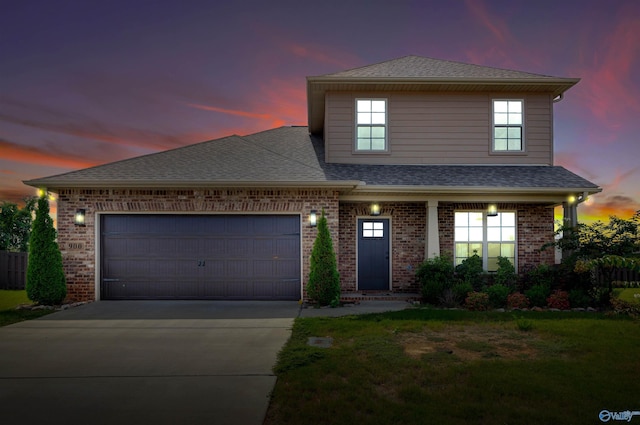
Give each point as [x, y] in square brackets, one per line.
[438, 129]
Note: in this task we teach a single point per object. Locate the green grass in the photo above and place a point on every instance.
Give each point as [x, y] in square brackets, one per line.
[9, 300]
[631, 295]
[457, 367]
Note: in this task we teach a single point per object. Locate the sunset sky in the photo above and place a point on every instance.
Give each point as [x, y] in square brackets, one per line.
[88, 82]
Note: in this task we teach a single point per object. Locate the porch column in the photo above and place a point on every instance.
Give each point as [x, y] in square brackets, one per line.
[570, 210]
[432, 241]
[570, 220]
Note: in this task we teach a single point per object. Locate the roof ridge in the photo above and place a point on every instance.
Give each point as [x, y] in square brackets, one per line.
[263, 147]
[381, 65]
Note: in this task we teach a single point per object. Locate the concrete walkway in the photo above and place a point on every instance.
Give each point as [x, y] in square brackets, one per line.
[149, 362]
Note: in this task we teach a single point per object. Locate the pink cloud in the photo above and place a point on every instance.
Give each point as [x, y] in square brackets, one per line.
[39, 156]
[608, 89]
[40, 117]
[479, 11]
[230, 111]
[323, 55]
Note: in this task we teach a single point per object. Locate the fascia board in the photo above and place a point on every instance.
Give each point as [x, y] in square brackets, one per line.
[476, 189]
[62, 184]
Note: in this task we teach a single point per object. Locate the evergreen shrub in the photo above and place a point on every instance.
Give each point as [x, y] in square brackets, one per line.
[435, 276]
[46, 282]
[324, 280]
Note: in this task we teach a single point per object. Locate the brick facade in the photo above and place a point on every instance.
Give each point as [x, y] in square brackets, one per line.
[534, 229]
[408, 227]
[78, 243]
[408, 221]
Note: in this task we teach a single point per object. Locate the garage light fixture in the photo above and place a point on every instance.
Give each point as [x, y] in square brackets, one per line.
[492, 210]
[78, 218]
[375, 209]
[313, 218]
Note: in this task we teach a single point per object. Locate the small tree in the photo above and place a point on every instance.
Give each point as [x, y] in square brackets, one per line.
[603, 246]
[324, 279]
[15, 225]
[45, 277]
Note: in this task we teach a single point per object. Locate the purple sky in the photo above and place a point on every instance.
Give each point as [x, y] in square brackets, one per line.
[87, 82]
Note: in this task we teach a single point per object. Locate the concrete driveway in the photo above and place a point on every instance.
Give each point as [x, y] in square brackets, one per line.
[144, 362]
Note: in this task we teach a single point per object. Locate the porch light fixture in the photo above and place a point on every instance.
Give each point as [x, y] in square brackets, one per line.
[313, 218]
[375, 209]
[78, 218]
[492, 210]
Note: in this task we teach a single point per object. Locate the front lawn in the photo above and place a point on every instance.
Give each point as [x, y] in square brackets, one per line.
[9, 300]
[423, 366]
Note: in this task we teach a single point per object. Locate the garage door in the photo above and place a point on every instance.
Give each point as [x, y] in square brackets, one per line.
[200, 257]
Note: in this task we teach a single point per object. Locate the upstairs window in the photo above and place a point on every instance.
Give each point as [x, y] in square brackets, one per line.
[507, 126]
[371, 125]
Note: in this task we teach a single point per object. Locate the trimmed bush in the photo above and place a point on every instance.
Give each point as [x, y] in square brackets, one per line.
[461, 290]
[538, 295]
[435, 276]
[45, 283]
[517, 300]
[324, 280]
[477, 301]
[542, 274]
[506, 274]
[579, 298]
[621, 307]
[498, 294]
[471, 271]
[559, 300]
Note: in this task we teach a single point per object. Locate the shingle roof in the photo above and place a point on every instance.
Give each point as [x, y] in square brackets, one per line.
[289, 156]
[458, 176]
[424, 68]
[279, 155]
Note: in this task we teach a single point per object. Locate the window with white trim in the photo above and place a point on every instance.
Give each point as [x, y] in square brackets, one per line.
[371, 125]
[489, 237]
[508, 126]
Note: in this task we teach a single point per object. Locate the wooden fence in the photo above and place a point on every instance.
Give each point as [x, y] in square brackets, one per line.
[13, 270]
[621, 278]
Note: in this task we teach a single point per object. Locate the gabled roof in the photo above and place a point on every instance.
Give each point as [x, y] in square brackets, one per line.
[290, 157]
[416, 73]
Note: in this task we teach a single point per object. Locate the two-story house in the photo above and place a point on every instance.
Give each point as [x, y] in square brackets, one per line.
[409, 159]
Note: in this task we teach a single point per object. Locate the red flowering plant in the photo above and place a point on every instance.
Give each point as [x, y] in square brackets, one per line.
[477, 301]
[517, 300]
[559, 299]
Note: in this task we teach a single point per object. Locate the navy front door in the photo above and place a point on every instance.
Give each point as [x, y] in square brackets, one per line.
[373, 254]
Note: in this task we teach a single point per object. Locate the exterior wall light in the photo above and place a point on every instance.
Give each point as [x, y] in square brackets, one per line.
[375, 209]
[313, 218]
[78, 218]
[492, 210]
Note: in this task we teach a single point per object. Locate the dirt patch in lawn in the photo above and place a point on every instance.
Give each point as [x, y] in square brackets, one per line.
[472, 342]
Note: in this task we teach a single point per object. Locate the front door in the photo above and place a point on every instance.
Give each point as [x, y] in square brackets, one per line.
[373, 254]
